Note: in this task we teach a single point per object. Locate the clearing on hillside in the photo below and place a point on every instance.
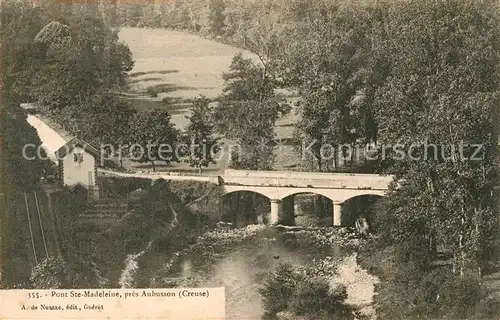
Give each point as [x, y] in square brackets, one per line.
[175, 66]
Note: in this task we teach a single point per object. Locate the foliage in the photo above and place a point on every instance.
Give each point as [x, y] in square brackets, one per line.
[93, 61]
[247, 113]
[152, 92]
[83, 273]
[247, 81]
[117, 187]
[153, 137]
[60, 57]
[55, 35]
[20, 54]
[18, 51]
[315, 297]
[22, 155]
[410, 289]
[105, 119]
[50, 273]
[216, 16]
[321, 48]
[440, 100]
[278, 290]
[487, 308]
[203, 199]
[437, 294]
[203, 146]
[158, 217]
[330, 68]
[287, 290]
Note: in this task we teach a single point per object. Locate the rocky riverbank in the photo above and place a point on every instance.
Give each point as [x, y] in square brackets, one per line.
[360, 285]
[241, 259]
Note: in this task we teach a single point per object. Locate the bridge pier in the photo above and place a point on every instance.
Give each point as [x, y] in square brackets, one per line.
[287, 216]
[276, 211]
[337, 214]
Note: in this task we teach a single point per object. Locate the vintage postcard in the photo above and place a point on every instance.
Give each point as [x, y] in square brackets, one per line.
[249, 159]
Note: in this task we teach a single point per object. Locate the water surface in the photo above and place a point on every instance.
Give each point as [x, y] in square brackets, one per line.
[243, 270]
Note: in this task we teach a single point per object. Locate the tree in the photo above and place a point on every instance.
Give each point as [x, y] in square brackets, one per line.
[200, 135]
[216, 16]
[105, 120]
[91, 62]
[331, 69]
[19, 173]
[440, 100]
[19, 26]
[153, 137]
[118, 59]
[59, 59]
[62, 60]
[129, 14]
[21, 151]
[247, 112]
[237, 19]
[20, 55]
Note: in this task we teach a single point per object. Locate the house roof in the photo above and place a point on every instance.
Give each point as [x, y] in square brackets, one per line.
[51, 140]
[73, 143]
[55, 145]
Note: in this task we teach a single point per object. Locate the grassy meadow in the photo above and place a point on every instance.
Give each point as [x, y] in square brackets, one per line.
[172, 68]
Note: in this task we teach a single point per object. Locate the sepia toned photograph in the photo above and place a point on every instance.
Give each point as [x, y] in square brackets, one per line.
[288, 159]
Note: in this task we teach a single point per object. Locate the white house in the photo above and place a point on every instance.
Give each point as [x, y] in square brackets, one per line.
[76, 159]
[77, 165]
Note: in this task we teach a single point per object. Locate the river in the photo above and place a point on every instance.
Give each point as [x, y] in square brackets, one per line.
[242, 269]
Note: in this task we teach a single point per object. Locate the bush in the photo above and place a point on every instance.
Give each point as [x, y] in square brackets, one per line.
[116, 187]
[487, 309]
[291, 292]
[457, 296]
[279, 289]
[51, 273]
[313, 297]
[83, 273]
[152, 92]
[410, 291]
[202, 198]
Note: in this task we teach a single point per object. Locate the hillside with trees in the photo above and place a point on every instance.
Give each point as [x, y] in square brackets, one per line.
[69, 61]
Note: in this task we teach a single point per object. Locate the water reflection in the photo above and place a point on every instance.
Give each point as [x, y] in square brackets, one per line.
[243, 270]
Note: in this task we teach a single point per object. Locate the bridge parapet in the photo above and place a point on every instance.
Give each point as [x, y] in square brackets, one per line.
[307, 179]
[292, 174]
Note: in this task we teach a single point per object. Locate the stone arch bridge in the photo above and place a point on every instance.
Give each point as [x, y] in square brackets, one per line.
[280, 187]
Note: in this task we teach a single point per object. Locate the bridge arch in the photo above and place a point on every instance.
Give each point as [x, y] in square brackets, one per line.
[307, 208]
[328, 209]
[359, 207]
[368, 193]
[243, 207]
[232, 192]
[322, 193]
